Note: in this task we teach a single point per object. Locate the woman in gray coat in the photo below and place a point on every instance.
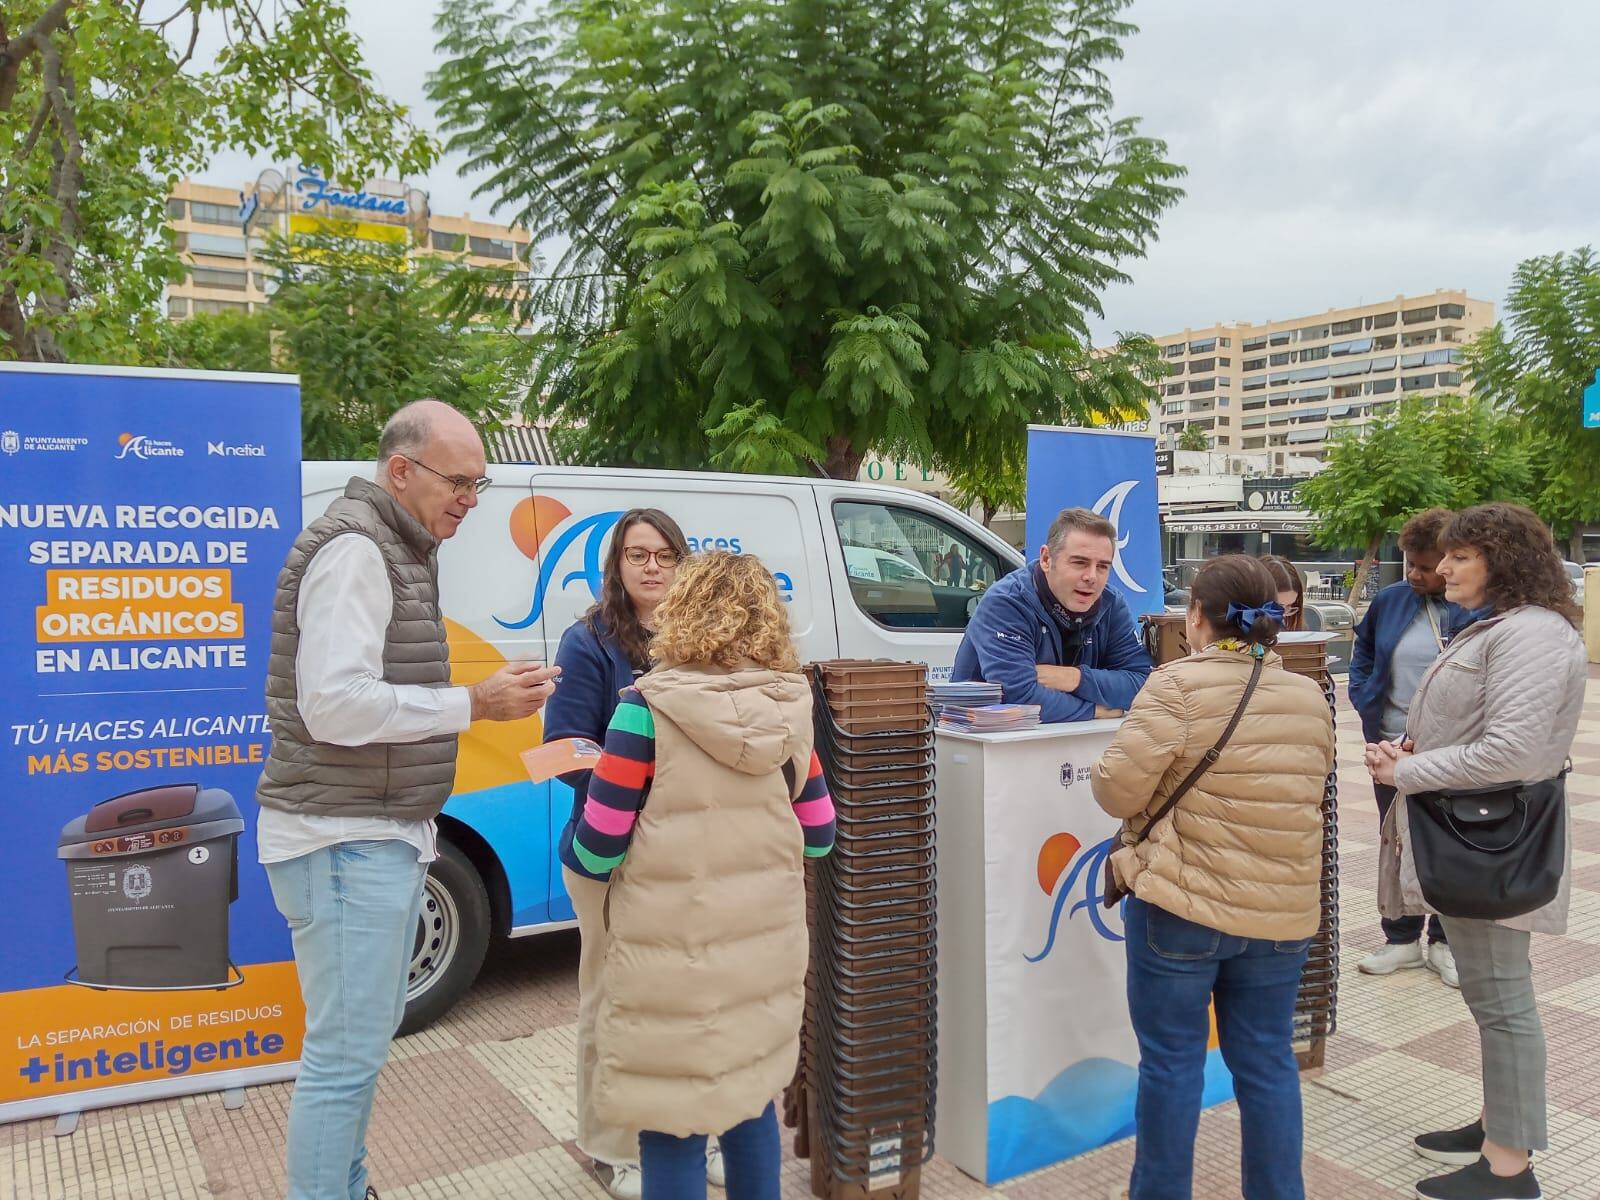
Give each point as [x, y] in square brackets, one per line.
[1499, 706]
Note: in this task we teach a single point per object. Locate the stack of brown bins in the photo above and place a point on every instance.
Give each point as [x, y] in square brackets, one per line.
[1315, 1012]
[863, 1099]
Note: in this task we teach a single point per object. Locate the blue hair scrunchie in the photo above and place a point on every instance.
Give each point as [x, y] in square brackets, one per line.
[1244, 617]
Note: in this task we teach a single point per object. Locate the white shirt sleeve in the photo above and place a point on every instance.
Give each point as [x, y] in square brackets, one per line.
[344, 609]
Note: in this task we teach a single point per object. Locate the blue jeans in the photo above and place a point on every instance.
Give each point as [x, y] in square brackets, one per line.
[352, 913]
[1175, 968]
[674, 1168]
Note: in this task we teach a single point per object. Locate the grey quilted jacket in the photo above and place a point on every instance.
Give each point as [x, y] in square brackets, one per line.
[1500, 705]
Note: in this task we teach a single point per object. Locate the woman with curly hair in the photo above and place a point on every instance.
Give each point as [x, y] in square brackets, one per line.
[1499, 707]
[600, 656]
[701, 813]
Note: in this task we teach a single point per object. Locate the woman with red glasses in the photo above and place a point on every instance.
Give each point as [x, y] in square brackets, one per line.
[601, 655]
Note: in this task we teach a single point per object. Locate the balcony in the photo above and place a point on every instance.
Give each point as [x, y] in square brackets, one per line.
[1417, 316]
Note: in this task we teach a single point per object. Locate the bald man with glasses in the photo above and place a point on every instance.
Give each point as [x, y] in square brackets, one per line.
[364, 731]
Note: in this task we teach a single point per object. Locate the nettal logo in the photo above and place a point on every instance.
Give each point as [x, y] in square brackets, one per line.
[140, 446]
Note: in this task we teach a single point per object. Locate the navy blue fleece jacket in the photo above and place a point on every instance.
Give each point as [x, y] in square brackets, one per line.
[1011, 635]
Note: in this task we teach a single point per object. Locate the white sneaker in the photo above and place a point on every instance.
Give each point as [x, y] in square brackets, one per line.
[716, 1173]
[1392, 958]
[621, 1180]
[1442, 961]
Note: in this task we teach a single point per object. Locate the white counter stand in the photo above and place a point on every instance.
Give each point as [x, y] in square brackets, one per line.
[1037, 1059]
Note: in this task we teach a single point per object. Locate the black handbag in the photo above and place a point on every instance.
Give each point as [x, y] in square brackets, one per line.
[1112, 892]
[1490, 853]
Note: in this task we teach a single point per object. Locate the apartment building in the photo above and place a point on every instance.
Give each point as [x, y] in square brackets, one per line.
[221, 232]
[1284, 387]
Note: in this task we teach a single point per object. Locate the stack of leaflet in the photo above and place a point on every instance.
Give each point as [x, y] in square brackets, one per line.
[989, 718]
[972, 693]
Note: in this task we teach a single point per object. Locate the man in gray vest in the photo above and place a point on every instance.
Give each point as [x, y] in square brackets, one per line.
[364, 728]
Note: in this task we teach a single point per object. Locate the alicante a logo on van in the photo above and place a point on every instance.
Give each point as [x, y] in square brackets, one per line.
[1110, 472]
[544, 530]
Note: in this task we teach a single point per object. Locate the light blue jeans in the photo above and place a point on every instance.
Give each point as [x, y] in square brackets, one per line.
[352, 912]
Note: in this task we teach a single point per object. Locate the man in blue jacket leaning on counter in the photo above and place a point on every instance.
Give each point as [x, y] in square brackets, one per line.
[1052, 635]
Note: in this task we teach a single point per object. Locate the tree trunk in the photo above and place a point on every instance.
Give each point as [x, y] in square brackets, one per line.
[989, 509]
[844, 460]
[1360, 582]
[1575, 542]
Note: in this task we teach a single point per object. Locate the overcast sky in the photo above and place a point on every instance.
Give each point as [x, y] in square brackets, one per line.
[1337, 153]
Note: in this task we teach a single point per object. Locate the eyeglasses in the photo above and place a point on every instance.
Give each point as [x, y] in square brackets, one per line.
[459, 483]
[666, 559]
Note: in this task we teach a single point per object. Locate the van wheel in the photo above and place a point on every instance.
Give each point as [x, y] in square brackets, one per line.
[451, 940]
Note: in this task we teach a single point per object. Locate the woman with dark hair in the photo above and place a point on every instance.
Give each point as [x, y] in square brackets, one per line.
[601, 656]
[1500, 706]
[1218, 772]
[1291, 587]
[1405, 628]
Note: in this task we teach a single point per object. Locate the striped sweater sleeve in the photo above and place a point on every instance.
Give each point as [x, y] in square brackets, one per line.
[814, 810]
[618, 788]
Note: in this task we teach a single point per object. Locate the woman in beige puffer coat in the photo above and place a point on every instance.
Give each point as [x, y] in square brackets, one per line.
[1225, 889]
[700, 815]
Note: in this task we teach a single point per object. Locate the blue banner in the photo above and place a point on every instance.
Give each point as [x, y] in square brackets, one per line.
[144, 516]
[1113, 474]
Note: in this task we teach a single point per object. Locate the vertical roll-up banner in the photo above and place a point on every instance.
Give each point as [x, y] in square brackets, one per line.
[144, 516]
[1111, 473]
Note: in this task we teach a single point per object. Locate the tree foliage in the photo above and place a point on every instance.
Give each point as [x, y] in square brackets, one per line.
[1194, 438]
[883, 227]
[103, 106]
[1536, 363]
[1444, 451]
[367, 330]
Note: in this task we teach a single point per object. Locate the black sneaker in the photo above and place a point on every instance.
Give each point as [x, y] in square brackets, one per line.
[1454, 1147]
[372, 1193]
[1478, 1182]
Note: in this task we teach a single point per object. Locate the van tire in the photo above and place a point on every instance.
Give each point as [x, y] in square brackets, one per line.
[451, 940]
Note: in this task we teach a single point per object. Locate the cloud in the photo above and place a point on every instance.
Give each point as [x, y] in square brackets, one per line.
[1336, 152]
[1353, 152]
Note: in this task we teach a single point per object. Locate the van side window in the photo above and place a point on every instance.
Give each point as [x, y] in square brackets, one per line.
[909, 570]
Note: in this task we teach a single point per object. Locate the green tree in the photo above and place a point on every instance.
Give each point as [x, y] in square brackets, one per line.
[1371, 484]
[367, 330]
[1535, 363]
[1482, 453]
[880, 225]
[994, 486]
[1194, 438]
[103, 106]
[1447, 450]
[987, 461]
[227, 341]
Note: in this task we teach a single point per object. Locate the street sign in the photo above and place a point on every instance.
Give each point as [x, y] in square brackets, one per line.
[1591, 404]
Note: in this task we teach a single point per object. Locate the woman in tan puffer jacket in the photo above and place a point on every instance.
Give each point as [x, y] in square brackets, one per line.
[1225, 889]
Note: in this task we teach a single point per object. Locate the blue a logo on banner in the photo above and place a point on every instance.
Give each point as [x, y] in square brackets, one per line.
[1113, 474]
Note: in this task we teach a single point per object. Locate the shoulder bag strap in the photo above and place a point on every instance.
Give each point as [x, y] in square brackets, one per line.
[1433, 623]
[1211, 755]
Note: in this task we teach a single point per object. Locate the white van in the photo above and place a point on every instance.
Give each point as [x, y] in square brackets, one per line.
[855, 562]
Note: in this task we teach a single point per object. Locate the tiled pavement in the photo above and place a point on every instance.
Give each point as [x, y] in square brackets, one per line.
[481, 1104]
